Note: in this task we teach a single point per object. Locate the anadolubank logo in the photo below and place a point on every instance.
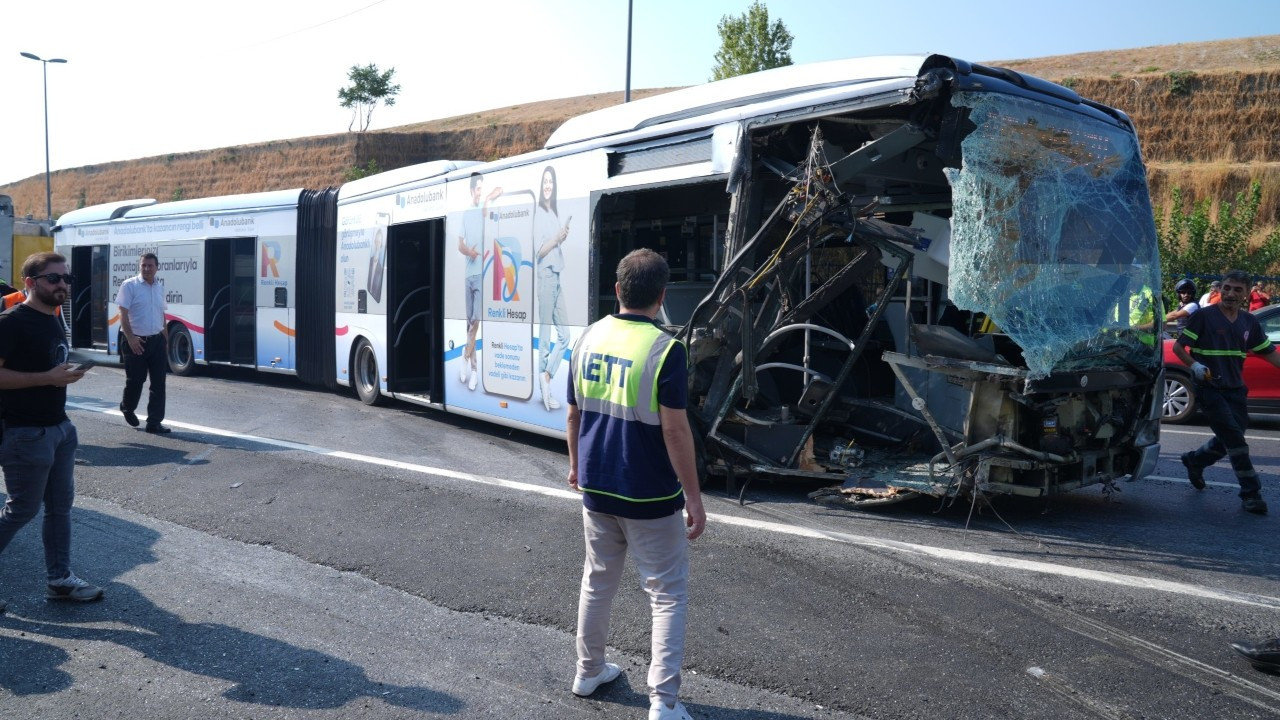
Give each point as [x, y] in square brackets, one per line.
[232, 222]
[419, 197]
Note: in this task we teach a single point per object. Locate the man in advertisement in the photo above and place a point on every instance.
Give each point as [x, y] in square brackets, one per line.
[471, 244]
[145, 346]
[631, 454]
[38, 448]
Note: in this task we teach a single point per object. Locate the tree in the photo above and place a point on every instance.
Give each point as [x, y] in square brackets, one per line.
[749, 43]
[1193, 244]
[368, 88]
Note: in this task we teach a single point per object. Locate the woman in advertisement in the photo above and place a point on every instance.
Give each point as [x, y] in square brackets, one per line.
[548, 235]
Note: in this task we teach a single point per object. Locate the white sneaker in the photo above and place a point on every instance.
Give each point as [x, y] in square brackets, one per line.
[658, 711]
[583, 687]
[475, 378]
[546, 391]
[462, 374]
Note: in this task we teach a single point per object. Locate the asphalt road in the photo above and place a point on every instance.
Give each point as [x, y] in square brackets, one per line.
[291, 553]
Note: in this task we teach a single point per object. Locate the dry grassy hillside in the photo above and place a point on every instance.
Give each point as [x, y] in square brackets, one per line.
[1208, 116]
[312, 162]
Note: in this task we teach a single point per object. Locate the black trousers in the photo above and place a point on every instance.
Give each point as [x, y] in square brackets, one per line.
[153, 362]
[1228, 415]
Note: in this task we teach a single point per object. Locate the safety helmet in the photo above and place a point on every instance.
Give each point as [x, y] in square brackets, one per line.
[1185, 285]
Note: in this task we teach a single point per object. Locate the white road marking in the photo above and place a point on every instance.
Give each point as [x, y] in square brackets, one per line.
[1209, 433]
[1184, 481]
[975, 558]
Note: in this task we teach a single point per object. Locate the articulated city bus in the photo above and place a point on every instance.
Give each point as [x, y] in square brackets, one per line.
[909, 275]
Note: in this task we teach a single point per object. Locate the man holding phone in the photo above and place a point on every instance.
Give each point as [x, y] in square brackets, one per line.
[146, 340]
[37, 450]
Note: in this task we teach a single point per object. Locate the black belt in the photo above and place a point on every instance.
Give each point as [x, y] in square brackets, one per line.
[146, 337]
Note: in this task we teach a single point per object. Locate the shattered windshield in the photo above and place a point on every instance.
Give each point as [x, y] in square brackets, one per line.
[1053, 236]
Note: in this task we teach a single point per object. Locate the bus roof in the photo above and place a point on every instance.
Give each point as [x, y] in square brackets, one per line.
[246, 202]
[148, 208]
[738, 91]
[400, 176]
[105, 211]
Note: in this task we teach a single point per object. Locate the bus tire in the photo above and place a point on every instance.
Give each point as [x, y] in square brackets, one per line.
[182, 352]
[364, 374]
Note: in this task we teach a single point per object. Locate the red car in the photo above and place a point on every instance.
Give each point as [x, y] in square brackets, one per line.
[1260, 376]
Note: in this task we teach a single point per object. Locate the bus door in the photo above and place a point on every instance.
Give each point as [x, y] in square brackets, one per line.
[91, 291]
[415, 331]
[230, 276]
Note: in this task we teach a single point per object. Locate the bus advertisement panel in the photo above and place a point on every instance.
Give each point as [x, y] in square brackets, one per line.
[276, 303]
[506, 294]
[510, 321]
[180, 271]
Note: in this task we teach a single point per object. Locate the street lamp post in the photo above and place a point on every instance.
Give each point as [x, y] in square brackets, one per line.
[48, 188]
[626, 97]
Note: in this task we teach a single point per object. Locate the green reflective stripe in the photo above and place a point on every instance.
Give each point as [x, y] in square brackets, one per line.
[672, 496]
[1188, 333]
[1220, 353]
[1265, 344]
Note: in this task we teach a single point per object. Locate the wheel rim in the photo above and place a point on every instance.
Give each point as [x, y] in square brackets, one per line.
[181, 349]
[1176, 398]
[366, 371]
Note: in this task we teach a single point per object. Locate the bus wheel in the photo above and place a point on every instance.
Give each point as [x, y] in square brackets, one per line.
[364, 374]
[182, 354]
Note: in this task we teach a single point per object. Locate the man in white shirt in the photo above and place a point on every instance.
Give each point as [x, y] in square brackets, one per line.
[146, 339]
[1211, 297]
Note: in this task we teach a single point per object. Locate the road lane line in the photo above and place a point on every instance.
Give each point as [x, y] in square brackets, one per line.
[1186, 482]
[1204, 433]
[965, 556]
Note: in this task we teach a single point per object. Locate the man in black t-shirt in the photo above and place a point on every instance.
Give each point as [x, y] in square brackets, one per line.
[37, 450]
[1214, 344]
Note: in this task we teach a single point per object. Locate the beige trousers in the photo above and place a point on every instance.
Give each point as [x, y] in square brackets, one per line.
[660, 551]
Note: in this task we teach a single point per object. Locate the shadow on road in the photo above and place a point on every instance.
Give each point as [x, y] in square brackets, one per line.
[261, 669]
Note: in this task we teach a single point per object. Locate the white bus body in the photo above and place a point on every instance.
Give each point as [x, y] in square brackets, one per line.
[902, 250]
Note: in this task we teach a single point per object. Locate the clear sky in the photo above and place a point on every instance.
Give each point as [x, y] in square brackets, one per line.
[151, 77]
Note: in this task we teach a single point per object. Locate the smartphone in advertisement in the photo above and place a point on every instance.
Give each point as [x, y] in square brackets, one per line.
[378, 256]
[506, 293]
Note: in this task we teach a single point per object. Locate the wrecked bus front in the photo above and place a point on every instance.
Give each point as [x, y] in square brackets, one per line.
[951, 292]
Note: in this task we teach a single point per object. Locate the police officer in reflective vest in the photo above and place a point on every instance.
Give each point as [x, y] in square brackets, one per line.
[631, 454]
[1214, 345]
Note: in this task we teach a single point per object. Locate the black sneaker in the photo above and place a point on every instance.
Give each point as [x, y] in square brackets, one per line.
[129, 416]
[1194, 474]
[1255, 505]
[157, 429]
[1263, 655]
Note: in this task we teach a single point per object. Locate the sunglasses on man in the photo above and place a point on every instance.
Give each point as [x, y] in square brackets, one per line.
[53, 278]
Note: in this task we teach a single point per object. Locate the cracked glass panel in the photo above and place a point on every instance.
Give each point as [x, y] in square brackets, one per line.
[1053, 237]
